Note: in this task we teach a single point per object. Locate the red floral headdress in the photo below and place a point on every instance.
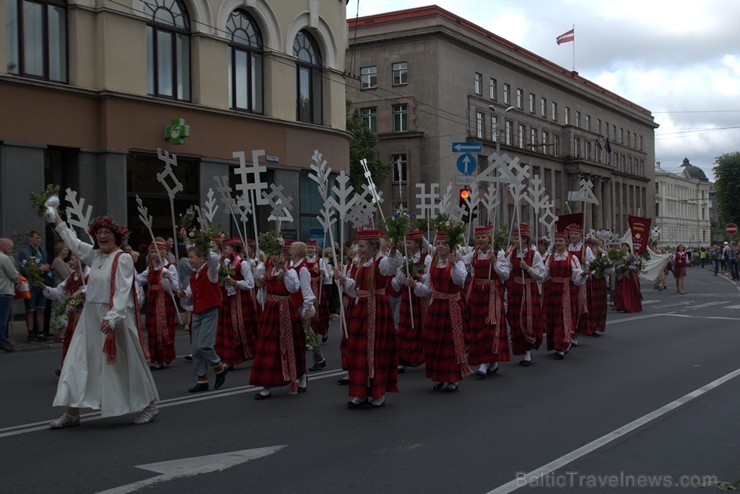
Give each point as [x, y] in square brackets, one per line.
[107, 222]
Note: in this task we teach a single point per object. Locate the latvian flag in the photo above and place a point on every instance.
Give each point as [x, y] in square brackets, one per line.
[566, 37]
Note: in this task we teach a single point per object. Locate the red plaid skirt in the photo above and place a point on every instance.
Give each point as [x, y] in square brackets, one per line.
[320, 323]
[597, 305]
[552, 306]
[517, 316]
[386, 349]
[410, 344]
[439, 347]
[267, 364]
[166, 353]
[627, 295]
[483, 337]
[227, 344]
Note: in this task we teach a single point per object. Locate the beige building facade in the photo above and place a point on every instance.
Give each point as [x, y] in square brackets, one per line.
[88, 86]
[427, 78]
[683, 206]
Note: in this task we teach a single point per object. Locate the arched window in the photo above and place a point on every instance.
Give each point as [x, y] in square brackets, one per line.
[245, 62]
[168, 49]
[308, 68]
[37, 38]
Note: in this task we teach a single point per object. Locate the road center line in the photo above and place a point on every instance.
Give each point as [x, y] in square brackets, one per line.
[607, 438]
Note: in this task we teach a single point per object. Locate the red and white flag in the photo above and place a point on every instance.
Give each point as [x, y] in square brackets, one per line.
[566, 37]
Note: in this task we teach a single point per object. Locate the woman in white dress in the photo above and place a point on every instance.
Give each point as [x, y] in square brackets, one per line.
[106, 367]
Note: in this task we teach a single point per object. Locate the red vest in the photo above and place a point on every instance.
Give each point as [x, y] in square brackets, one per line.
[297, 298]
[206, 294]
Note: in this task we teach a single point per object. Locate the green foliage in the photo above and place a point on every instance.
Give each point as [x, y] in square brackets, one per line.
[364, 146]
[271, 243]
[38, 199]
[727, 186]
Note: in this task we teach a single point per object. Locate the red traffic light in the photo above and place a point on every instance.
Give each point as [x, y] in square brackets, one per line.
[465, 194]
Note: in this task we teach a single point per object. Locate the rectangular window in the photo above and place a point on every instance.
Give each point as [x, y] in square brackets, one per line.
[629, 138]
[598, 126]
[494, 128]
[621, 135]
[532, 102]
[641, 148]
[478, 84]
[370, 118]
[480, 128]
[533, 139]
[507, 94]
[57, 43]
[509, 132]
[554, 111]
[566, 116]
[400, 118]
[522, 129]
[578, 119]
[556, 146]
[543, 107]
[519, 99]
[588, 123]
[400, 73]
[545, 142]
[493, 89]
[399, 162]
[368, 77]
[588, 150]
[576, 147]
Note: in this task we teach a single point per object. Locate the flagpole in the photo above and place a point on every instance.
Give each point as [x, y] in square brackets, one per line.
[574, 47]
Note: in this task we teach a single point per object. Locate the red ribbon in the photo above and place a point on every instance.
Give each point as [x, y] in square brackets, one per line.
[287, 349]
[371, 312]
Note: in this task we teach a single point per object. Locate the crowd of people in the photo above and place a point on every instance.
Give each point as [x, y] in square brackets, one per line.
[455, 309]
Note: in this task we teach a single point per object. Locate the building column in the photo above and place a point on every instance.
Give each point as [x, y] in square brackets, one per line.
[21, 173]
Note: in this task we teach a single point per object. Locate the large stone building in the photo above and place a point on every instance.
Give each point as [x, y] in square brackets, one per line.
[428, 78]
[682, 206]
[87, 87]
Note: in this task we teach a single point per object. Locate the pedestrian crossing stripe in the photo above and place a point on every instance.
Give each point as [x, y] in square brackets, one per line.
[732, 307]
[646, 302]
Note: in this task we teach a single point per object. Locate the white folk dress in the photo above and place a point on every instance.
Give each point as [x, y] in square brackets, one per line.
[87, 379]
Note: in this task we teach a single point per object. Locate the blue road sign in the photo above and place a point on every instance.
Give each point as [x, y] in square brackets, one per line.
[467, 147]
[466, 163]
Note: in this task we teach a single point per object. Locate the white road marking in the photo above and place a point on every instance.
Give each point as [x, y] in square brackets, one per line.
[732, 307]
[182, 400]
[633, 318]
[615, 434]
[188, 467]
[708, 304]
[648, 302]
[677, 304]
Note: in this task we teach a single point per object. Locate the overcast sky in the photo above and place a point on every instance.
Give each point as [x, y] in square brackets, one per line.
[679, 59]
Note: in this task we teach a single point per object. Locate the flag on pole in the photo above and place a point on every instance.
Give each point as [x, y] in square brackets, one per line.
[607, 146]
[566, 37]
[600, 143]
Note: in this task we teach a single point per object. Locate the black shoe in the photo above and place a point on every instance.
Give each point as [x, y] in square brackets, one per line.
[188, 357]
[373, 405]
[58, 372]
[317, 366]
[41, 337]
[558, 356]
[302, 389]
[493, 369]
[352, 405]
[198, 388]
[31, 338]
[401, 369]
[451, 388]
[325, 338]
[220, 378]
[480, 374]
[8, 348]
[260, 397]
[525, 363]
[343, 381]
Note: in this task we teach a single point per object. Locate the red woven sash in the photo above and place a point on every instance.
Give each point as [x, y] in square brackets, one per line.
[458, 337]
[287, 348]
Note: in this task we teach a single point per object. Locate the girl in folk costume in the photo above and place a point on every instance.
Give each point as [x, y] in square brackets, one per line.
[280, 351]
[237, 319]
[444, 326]
[349, 270]
[585, 255]
[256, 261]
[74, 288]
[106, 369]
[627, 295]
[680, 261]
[160, 282]
[321, 280]
[305, 300]
[560, 295]
[524, 302]
[372, 347]
[410, 344]
[598, 292]
[488, 338]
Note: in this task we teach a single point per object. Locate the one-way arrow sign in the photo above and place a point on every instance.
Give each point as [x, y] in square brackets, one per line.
[467, 147]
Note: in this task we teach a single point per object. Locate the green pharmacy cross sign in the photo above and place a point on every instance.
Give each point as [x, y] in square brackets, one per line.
[177, 131]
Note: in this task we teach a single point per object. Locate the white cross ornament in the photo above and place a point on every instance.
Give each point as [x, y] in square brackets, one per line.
[170, 160]
[77, 215]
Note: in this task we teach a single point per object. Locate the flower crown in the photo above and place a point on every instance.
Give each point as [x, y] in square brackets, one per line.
[108, 222]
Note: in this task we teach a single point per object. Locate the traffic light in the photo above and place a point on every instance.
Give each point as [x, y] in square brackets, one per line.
[465, 204]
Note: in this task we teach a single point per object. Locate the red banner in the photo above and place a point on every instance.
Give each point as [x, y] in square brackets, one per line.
[567, 220]
[640, 228]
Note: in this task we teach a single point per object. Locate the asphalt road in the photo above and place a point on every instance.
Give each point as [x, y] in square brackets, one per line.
[653, 403]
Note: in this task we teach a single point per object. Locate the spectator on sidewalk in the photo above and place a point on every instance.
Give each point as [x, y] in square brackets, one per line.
[702, 256]
[732, 250]
[34, 253]
[8, 281]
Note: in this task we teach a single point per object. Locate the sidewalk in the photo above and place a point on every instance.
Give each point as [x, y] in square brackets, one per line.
[17, 336]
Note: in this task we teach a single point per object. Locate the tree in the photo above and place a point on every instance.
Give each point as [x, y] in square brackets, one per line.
[727, 186]
[364, 146]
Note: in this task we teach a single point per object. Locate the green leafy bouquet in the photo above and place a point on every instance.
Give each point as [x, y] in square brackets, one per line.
[187, 219]
[500, 238]
[455, 233]
[398, 225]
[271, 243]
[415, 269]
[312, 341]
[67, 304]
[224, 273]
[202, 238]
[38, 199]
[33, 272]
[599, 266]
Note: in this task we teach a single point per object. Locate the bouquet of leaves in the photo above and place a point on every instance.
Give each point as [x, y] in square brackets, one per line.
[271, 243]
[599, 266]
[616, 255]
[33, 272]
[455, 233]
[187, 219]
[38, 200]
[66, 305]
[398, 225]
[312, 341]
[500, 236]
[415, 269]
[225, 272]
[202, 238]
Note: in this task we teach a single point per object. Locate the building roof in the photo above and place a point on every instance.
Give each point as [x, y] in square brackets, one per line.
[694, 172]
[432, 10]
